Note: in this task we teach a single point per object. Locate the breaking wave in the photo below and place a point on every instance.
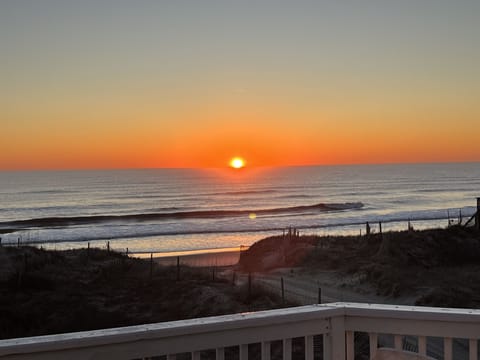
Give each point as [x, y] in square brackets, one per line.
[196, 214]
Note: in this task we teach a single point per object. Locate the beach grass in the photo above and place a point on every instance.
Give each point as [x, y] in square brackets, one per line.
[46, 292]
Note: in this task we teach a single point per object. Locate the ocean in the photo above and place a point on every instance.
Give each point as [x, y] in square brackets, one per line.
[172, 210]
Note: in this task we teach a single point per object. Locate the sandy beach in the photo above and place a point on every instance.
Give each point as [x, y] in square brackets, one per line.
[196, 258]
[201, 259]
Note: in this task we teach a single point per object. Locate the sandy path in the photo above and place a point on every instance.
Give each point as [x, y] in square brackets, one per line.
[302, 286]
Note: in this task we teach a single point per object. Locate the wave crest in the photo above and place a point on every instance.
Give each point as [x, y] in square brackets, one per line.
[93, 219]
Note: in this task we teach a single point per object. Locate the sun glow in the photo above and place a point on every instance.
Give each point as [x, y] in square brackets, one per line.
[237, 163]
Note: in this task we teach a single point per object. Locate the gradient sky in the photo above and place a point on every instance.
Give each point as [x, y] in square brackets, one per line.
[119, 84]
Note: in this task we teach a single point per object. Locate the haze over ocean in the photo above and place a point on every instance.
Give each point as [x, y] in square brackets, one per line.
[162, 210]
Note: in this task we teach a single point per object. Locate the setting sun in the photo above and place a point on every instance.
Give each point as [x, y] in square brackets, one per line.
[237, 163]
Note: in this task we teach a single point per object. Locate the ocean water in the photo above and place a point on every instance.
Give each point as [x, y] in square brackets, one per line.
[164, 210]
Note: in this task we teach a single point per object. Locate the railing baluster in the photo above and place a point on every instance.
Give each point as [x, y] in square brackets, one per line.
[266, 350]
[350, 340]
[473, 349]
[220, 353]
[327, 346]
[244, 352]
[196, 355]
[398, 342]
[373, 339]
[287, 349]
[447, 348]
[309, 347]
[337, 337]
[422, 345]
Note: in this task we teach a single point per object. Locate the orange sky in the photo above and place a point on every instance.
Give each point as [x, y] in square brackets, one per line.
[164, 85]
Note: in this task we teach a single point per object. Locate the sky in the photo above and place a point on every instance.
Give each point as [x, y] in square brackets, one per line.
[146, 84]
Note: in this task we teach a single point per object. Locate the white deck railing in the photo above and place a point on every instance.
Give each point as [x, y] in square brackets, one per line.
[336, 322]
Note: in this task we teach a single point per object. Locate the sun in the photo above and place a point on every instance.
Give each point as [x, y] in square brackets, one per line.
[237, 163]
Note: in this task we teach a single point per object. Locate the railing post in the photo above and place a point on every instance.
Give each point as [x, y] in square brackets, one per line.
[334, 341]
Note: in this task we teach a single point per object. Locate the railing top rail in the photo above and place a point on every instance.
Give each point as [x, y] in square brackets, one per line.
[296, 317]
[171, 329]
[407, 312]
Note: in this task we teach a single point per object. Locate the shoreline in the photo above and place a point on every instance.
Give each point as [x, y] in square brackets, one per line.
[212, 240]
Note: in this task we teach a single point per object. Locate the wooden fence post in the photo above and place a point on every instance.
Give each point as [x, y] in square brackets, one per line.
[151, 266]
[319, 295]
[249, 284]
[477, 217]
[178, 268]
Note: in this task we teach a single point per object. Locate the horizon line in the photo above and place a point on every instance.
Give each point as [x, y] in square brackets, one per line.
[243, 169]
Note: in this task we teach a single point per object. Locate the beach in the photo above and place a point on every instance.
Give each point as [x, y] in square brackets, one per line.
[207, 259]
[196, 258]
